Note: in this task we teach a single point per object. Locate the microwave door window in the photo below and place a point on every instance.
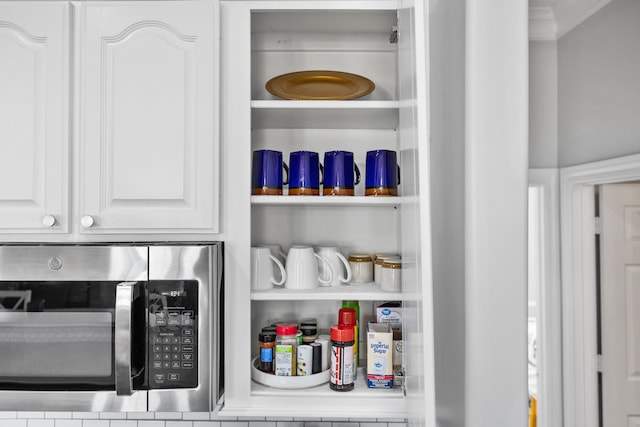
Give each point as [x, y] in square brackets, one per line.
[48, 344]
[57, 335]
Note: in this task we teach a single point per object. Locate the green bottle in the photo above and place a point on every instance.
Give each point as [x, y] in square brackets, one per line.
[356, 306]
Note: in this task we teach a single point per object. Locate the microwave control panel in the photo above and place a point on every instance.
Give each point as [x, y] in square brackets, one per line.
[173, 334]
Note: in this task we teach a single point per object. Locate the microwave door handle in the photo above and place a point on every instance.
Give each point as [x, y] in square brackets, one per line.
[122, 339]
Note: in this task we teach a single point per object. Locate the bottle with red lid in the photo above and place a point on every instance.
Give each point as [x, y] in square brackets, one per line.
[342, 365]
[349, 316]
[286, 349]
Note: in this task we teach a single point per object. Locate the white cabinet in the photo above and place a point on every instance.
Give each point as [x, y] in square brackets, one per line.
[138, 120]
[34, 116]
[147, 122]
[267, 38]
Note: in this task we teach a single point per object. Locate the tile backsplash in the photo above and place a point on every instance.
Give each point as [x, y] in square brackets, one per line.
[177, 419]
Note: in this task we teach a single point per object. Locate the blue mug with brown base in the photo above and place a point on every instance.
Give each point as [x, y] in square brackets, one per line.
[341, 174]
[266, 176]
[305, 170]
[383, 173]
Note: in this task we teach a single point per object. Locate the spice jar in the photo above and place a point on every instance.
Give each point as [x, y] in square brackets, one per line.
[267, 342]
[309, 333]
[391, 275]
[361, 267]
[377, 266]
[286, 349]
[342, 367]
[349, 317]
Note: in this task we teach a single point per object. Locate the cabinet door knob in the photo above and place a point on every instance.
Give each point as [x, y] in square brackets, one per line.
[48, 220]
[87, 221]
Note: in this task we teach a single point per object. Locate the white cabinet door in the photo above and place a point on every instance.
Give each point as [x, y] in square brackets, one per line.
[34, 117]
[147, 116]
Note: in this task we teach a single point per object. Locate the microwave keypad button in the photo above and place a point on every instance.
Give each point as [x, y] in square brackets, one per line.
[187, 318]
[166, 365]
[160, 378]
[187, 348]
[157, 348]
[187, 340]
[173, 377]
[166, 356]
[166, 348]
[174, 318]
[187, 365]
[187, 332]
[175, 348]
[157, 356]
[157, 364]
[157, 339]
[175, 365]
[187, 356]
[176, 356]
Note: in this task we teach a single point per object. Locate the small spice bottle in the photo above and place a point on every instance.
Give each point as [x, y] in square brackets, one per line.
[267, 342]
[361, 267]
[309, 333]
[286, 349]
[342, 367]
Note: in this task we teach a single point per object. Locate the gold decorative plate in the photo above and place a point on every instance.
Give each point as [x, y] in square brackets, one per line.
[321, 85]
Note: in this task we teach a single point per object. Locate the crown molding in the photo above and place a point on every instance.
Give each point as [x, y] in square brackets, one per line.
[550, 22]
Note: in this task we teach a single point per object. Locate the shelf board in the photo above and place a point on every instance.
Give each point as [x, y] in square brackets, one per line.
[355, 291]
[325, 200]
[293, 114]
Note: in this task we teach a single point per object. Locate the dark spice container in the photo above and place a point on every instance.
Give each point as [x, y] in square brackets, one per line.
[267, 342]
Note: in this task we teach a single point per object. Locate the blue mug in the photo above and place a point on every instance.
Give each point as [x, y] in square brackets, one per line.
[338, 179]
[304, 179]
[383, 173]
[267, 173]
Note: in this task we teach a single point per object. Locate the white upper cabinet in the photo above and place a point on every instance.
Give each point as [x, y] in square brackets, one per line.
[384, 41]
[147, 118]
[34, 117]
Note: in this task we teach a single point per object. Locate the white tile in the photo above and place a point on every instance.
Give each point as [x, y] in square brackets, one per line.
[196, 416]
[151, 423]
[179, 424]
[58, 414]
[372, 424]
[398, 424]
[85, 415]
[317, 424]
[262, 424]
[344, 424]
[217, 417]
[113, 415]
[13, 423]
[68, 423]
[140, 415]
[30, 414]
[288, 424]
[168, 415]
[234, 424]
[95, 423]
[8, 414]
[124, 423]
[206, 424]
[40, 423]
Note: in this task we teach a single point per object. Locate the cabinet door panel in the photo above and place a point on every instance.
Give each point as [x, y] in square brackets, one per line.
[148, 116]
[34, 47]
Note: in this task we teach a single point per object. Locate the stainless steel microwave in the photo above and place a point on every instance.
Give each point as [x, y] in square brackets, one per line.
[110, 327]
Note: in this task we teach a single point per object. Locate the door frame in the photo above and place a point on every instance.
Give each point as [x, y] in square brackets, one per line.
[549, 337]
[579, 322]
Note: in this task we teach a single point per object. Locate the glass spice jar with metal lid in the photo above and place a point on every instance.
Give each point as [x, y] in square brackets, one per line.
[361, 267]
[391, 275]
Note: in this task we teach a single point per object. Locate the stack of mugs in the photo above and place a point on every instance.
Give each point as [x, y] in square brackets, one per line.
[308, 267]
[305, 174]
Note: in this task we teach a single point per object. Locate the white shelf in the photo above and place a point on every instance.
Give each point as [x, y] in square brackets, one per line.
[293, 114]
[356, 291]
[325, 200]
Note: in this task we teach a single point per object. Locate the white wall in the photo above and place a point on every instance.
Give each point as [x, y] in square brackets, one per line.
[543, 104]
[599, 86]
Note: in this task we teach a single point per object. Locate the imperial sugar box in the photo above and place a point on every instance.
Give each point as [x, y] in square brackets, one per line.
[379, 355]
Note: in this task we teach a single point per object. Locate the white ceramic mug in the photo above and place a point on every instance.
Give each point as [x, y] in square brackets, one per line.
[262, 276]
[338, 264]
[276, 251]
[302, 268]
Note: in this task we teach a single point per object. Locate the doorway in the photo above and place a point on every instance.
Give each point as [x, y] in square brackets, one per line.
[580, 360]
